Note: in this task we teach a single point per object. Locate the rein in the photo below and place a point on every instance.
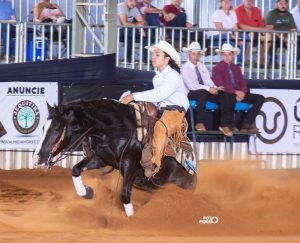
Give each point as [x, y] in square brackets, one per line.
[71, 147]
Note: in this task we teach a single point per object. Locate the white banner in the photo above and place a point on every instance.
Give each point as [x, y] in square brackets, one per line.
[278, 122]
[23, 112]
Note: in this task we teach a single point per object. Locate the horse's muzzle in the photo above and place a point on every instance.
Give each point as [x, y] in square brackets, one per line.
[36, 160]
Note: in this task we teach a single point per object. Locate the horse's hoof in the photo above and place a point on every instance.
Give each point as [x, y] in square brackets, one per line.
[129, 209]
[89, 193]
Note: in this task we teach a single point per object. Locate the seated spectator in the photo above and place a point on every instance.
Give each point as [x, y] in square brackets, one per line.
[44, 11]
[174, 15]
[229, 75]
[149, 12]
[6, 13]
[296, 15]
[281, 19]
[197, 79]
[225, 19]
[249, 18]
[129, 16]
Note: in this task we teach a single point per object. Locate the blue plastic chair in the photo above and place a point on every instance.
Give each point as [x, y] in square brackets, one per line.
[209, 106]
[241, 106]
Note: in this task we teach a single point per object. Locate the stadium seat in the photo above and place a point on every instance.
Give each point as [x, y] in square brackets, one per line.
[209, 106]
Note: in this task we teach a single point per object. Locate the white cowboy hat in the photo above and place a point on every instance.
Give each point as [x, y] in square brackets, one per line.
[194, 46]
[167, 48]
[226, 47]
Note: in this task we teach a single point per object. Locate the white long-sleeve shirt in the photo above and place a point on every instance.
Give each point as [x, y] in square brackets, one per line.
[296, 15]
[168, 89]
[190, 78]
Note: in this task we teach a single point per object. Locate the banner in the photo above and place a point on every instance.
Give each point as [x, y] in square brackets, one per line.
[23, 112]
[278, 122]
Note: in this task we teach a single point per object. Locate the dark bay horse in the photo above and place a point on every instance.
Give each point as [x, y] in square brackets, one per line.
[109, 131]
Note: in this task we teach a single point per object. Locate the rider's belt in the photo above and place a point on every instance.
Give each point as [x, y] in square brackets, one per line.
[174, 108]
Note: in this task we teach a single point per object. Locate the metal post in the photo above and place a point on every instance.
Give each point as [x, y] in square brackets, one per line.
[110, 26]
[77, 28]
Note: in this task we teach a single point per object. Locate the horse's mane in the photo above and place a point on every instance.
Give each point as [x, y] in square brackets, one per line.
[105, 114]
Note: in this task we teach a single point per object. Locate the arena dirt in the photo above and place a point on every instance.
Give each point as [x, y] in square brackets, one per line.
[234, 202]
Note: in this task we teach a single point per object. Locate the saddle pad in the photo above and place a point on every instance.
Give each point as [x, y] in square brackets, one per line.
[183, 154]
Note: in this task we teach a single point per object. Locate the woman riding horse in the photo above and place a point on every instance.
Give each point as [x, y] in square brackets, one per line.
[169, 95]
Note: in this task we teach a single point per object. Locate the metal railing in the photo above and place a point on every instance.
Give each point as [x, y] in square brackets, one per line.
[278, 61]
[21, 42]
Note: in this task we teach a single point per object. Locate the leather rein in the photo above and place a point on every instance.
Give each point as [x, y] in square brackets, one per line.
[73, 146]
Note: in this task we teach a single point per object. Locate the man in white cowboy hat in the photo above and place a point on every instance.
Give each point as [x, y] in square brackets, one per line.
[168, 94]
[197, 79]
[229, 75]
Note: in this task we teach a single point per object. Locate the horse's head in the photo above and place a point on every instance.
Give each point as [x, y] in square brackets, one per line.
[55, 137]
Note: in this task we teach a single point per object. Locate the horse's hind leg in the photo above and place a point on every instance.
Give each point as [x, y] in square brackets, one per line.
[84, 191]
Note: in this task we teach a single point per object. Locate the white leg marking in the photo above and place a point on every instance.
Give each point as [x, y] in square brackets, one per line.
[38, 148]
[80, 188]
[129, 210]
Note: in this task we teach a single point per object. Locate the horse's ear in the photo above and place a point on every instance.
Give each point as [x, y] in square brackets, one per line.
[49, 107]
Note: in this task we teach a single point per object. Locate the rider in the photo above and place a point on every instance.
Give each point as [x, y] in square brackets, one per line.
[170, 96]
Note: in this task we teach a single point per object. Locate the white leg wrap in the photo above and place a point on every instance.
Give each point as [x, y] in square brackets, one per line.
[129, 209]
[80, 188]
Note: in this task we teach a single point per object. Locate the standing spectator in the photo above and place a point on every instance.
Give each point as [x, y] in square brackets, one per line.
[129, 16]
[6, 13]
[225, 19]
[249, 18]
[149, 12]
[229, 75]
[197, 79]
[281, 19]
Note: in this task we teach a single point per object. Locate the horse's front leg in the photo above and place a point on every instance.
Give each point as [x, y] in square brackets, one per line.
[84, 191]
[129, 174]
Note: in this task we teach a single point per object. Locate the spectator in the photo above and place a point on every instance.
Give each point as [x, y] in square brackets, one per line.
[296, 15]
[174, 15]
[149, 12]
[44, 11]
[169, 94]
[249, 18]
[225, 19]
[129, 16]
[6, 13]
[197, 79]
[281, 19]
[229, 75]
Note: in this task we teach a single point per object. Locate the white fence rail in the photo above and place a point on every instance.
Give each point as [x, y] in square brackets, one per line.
[278, 61]
[21, 42]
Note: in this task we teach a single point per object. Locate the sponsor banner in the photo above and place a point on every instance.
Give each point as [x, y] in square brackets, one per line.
[23, 112]
[278, 122]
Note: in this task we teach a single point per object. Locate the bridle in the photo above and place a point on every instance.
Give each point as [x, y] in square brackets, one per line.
[72, 147]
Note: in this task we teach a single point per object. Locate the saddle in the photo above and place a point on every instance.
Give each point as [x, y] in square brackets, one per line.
[178, 145]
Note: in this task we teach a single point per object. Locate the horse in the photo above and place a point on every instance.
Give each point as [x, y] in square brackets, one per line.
[109, 129]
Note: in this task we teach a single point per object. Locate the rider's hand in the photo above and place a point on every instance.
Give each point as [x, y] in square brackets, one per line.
[127, 99]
